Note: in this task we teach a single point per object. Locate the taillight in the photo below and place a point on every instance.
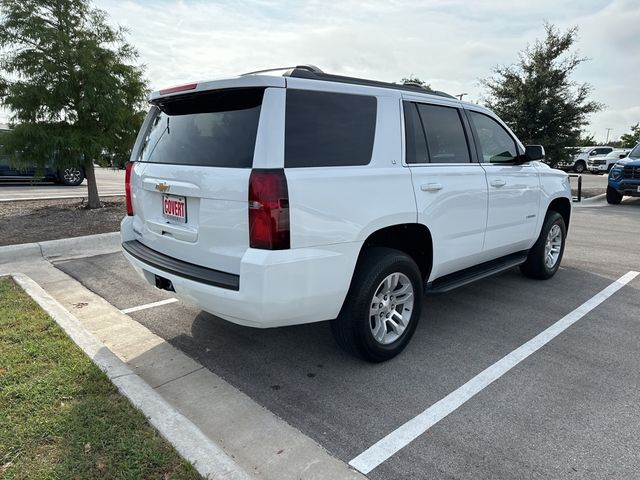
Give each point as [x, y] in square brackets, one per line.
[179, 88]
[268, 210]
[127, 187]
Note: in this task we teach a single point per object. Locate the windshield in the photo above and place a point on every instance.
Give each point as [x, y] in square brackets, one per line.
[635, 153]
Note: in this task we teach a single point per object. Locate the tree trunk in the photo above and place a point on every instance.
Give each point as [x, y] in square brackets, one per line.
[92, 187]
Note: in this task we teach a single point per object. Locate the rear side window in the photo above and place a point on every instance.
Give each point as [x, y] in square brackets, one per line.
[324, 129]
[214, 129]
[435, 134]
[446, 138]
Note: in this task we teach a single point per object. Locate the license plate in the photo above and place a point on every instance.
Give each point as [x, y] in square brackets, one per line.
[174, 208]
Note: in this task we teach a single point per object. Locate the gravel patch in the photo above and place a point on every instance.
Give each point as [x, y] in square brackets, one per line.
[29, 221]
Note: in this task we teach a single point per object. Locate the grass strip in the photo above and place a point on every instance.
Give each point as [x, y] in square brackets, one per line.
[60, 416]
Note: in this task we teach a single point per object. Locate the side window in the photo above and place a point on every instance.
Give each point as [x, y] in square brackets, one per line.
[603, 151]
[416, 144]
[496, 145]
[446, 139]
[324, 129]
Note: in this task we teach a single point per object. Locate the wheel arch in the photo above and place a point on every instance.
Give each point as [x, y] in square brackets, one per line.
[414, 239]
[562, 205]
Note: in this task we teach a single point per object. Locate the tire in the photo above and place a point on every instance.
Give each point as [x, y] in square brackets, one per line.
[71, 176]
[579, 167]
[613, 197]
[538, 264]
[354, 328]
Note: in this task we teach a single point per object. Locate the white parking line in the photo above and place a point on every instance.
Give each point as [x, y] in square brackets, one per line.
[402, 436]
[149, 305]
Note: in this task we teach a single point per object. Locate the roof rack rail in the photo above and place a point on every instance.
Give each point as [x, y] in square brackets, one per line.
[309, 67]
[314, 73]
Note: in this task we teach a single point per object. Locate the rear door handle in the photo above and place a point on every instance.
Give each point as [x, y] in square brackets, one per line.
[498, 182]
[430, 187]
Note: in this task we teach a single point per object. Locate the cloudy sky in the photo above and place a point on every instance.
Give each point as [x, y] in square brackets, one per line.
[448, 43]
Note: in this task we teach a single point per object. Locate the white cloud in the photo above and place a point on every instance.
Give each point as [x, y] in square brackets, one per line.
[450, 44]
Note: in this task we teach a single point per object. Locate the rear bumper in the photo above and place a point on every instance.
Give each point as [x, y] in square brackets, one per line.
[275, 288]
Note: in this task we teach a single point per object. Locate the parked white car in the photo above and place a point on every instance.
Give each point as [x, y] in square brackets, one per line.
[281, 200]
[578, 162]
[602, 165]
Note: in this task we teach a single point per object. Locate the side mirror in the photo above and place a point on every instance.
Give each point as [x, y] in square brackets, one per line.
[592, 152]
[622, 155]
[534, 152]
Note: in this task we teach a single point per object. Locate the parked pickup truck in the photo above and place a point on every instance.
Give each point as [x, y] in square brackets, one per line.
[599, 165]
[280, 200]
[624, 178]
[578, 161]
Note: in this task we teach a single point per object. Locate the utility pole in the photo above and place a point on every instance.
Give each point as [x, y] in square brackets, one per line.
[460, 95]
[608, 130]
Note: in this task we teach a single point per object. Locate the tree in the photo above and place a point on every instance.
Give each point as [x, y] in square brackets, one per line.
[416, 82]
[630, 139]
[538, 99]
[70, 84]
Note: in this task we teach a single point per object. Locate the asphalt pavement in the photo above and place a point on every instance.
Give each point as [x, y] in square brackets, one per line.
[110, 182]
[570, 410]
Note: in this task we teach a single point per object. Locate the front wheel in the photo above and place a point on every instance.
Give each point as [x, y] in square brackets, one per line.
[613, 197]
[579, 167]
[383, 305]
[544, 257]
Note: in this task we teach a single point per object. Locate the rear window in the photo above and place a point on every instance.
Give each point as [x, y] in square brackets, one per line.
[325, 129]
[214, 129]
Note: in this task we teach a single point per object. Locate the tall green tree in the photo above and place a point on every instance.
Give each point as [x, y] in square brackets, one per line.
[70, 82]
[537, 97]
[630, 139]
[415, 81]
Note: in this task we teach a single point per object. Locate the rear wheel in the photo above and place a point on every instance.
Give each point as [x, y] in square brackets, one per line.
[382, 308]
[613, 197]
[71, 176]
[546, 254]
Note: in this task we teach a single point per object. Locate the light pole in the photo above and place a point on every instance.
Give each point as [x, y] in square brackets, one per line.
[608, 130]
[460, 95]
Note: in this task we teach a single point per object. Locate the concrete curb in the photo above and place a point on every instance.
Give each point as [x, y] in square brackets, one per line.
[207, 458]
[73, 247]
[591, 201]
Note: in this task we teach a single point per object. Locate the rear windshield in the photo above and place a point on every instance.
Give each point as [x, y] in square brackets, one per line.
[214, 129]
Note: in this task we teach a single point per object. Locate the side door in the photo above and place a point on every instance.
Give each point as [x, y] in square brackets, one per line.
[450, 187]
[514, 189]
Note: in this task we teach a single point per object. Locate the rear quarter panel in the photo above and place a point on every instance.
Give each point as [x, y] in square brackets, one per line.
[346, 204]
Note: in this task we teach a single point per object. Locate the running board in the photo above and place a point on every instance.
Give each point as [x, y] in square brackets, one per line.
[469, 275]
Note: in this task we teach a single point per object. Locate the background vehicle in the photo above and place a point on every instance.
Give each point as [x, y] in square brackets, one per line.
[599, 165]
[624, 177]
[578, 163]
[9, 171]
[280, 200]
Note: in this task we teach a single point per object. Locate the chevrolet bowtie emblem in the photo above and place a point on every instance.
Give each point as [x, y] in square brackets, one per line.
[162, 187]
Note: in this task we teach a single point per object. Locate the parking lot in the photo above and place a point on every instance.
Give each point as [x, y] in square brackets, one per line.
[110, 183]
[569, 410]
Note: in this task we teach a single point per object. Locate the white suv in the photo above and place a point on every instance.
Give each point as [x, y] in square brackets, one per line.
[281, 200]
